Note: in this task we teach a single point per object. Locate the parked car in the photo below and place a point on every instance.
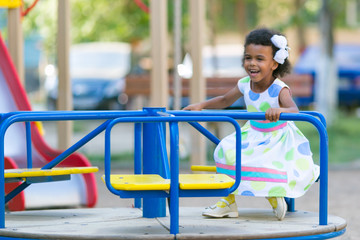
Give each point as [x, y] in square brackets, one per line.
[97, 72]
[219, 61]
[347, 58]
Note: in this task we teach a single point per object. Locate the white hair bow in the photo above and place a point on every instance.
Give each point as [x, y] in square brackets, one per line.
[280, 42]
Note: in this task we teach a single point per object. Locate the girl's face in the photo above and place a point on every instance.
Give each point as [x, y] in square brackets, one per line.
[259, 63]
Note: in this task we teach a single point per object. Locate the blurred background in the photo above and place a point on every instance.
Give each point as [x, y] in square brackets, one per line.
[110, 68]
[126, 23]
[110, 60]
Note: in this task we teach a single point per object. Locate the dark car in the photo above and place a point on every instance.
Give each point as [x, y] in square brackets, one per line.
[97, 73]
[347, 58]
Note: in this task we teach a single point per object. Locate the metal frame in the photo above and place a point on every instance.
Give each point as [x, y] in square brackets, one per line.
[173, 117]
[157, 118]
[175, 192]
[6, 120]
[315, 118]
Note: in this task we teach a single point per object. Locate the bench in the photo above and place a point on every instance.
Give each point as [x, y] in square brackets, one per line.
[301, 85]
[140, 85]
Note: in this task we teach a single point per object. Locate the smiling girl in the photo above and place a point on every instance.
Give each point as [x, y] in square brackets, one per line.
[276, 157]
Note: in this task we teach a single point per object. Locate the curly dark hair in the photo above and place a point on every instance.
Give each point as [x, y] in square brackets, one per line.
[262, 36]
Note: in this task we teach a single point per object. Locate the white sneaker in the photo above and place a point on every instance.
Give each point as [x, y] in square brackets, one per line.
[218, 211]
[279, 206]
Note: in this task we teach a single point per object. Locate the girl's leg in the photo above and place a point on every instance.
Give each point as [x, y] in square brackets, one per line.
[279, 206]
[225, 207]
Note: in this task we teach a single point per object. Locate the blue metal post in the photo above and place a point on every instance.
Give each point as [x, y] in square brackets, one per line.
[2, 180]
[28, 145]
[323, 200]
[291, 204]
[137, 157]
[174, 189]
[152, 207]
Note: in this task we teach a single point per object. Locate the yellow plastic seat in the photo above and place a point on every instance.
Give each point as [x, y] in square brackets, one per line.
[205, 181]
[203, 168]
[141, 182]
[37, 172]
[10, 3]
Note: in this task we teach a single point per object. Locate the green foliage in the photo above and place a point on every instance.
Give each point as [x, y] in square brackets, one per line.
[91, 20]
[42, 21]
[124, 159]
[306, 15]
[114, 20]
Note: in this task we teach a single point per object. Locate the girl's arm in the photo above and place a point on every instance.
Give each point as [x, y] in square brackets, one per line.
[287, 105]
[219, 102]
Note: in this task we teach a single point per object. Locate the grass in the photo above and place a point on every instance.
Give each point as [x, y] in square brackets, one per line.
[344, 138]
[343, 134]
[124, 159]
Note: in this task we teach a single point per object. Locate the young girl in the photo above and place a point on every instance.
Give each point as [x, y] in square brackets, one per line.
[276, 157]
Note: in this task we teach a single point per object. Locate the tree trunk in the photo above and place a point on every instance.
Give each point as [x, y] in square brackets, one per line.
[241, 10]
[326, 95]
[300, 28]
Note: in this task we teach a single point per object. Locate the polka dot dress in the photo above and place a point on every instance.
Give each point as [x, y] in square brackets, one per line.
[276, 157]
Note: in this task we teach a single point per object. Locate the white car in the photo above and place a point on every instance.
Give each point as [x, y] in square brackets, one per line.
[219, 61]
[97, 72]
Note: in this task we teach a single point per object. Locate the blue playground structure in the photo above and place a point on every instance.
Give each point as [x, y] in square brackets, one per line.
[157, 177]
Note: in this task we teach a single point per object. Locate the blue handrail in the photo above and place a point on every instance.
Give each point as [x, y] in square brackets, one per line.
[173, 118]
[315, 118]
[174, 160]
[10, 118]
[170, 119]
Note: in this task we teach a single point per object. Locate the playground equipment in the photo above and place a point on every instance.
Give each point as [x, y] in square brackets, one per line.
[155, 180]
[136, 186]
[79, 191]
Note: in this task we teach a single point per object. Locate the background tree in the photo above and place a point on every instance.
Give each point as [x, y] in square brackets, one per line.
[113, 20]
[92, 20]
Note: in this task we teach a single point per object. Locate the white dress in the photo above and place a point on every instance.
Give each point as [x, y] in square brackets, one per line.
[276, 157]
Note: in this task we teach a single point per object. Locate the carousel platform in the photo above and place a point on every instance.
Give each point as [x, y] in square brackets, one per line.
[128, 223]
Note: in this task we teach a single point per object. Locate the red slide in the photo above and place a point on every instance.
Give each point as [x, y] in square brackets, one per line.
[81, 190]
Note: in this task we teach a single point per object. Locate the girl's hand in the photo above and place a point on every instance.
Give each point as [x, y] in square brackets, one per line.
[194, 107]
[218, 102]
[273, 114]
[287, 105]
